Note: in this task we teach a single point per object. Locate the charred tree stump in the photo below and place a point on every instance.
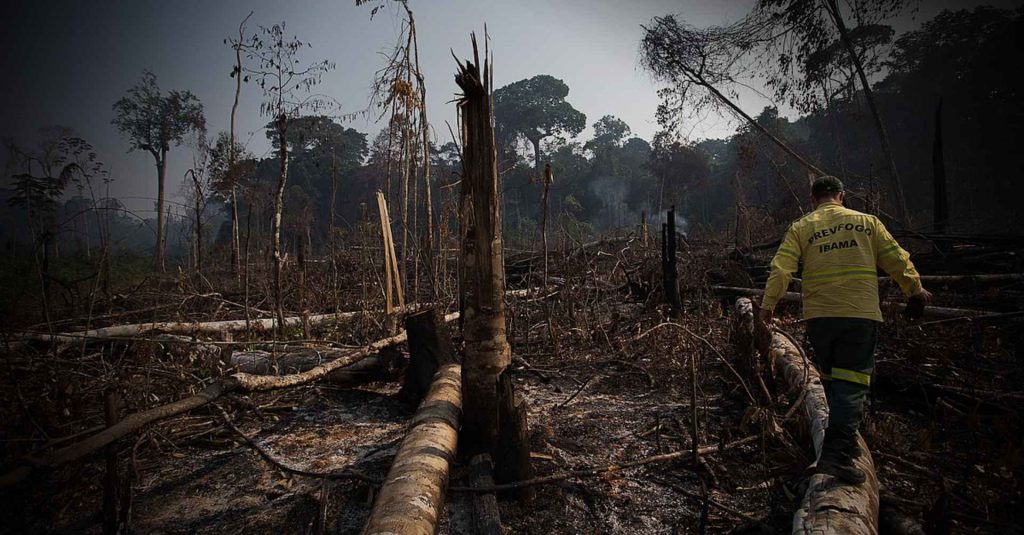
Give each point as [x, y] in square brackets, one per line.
[430, 347]
[826, 507]
[669, 275]
[513, 437]
[486, 516]
[412, 497]
[481, 276]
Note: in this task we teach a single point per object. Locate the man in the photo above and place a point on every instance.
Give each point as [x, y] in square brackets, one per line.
[840, 249]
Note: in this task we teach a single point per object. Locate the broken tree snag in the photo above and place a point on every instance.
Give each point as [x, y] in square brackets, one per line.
[430, 346]
[669, 275]
[412, 497]
[826, 507]
[486, 516]
[392, 276]
[482, 278]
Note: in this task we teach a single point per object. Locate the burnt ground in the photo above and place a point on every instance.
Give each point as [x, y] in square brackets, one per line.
[607, 381]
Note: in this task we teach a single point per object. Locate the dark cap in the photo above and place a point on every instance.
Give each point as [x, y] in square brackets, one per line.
[826, 185]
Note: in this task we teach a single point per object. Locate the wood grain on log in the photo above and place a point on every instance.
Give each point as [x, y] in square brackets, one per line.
[412, 497]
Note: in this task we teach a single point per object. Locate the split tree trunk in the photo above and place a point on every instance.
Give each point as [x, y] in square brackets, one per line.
[412, 497]
[826, 507]
[487, 352]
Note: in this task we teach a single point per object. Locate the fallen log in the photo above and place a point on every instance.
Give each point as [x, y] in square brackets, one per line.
[183, 327]
[486, 516]
[794, 297]
[412, 497]
[382, 366]
[236, 382]
[188, 328]
[827, 506]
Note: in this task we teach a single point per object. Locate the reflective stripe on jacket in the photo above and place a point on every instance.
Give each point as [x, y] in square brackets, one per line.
[840, 249]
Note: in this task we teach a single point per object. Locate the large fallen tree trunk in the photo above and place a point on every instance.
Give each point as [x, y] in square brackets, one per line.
[827, 506]
[412, 497]
[794, 297]
[382, 366]
[188, 328]
[236, 382]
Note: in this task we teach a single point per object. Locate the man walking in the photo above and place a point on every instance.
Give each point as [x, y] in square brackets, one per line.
[840, 250]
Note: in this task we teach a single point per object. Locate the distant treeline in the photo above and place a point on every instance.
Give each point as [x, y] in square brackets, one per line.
[965, 61]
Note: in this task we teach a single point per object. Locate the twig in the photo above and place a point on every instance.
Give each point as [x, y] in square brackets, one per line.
[607, 469]
[343, 473]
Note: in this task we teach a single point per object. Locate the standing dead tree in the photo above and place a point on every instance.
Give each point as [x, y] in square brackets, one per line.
[286, 86]
[669, 274]
[236, 73]
[493, 415]
[400, 87]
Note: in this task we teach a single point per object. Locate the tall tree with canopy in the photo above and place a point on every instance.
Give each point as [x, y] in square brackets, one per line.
[153, 121]
[795, 42]
[535, 109]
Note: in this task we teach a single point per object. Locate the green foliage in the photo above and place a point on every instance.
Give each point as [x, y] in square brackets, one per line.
[153, 120]
[535, 109]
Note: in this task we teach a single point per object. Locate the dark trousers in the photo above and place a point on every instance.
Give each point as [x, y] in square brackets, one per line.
[844, 350]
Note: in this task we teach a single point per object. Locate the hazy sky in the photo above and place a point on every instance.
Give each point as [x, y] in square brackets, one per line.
[66, 62]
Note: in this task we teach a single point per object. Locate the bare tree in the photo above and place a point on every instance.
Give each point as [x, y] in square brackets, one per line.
[236, 73]
[287, 88]
[153, 121]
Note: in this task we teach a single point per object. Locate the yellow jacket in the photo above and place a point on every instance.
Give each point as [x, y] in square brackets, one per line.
[840, 249]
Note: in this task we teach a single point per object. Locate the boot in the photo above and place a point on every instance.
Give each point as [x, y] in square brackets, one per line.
[842, 468]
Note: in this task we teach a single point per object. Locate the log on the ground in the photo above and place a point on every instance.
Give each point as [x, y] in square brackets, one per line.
[486, 516]
[188, 328]
[385, 365]
[827, 506]
[412, 497]
[794, 297]
[243, 382]
[430, 347]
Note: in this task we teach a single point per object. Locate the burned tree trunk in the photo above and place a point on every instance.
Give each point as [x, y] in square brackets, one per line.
[412, 497]
[670, 276]
[430, 347]
[487, 352]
